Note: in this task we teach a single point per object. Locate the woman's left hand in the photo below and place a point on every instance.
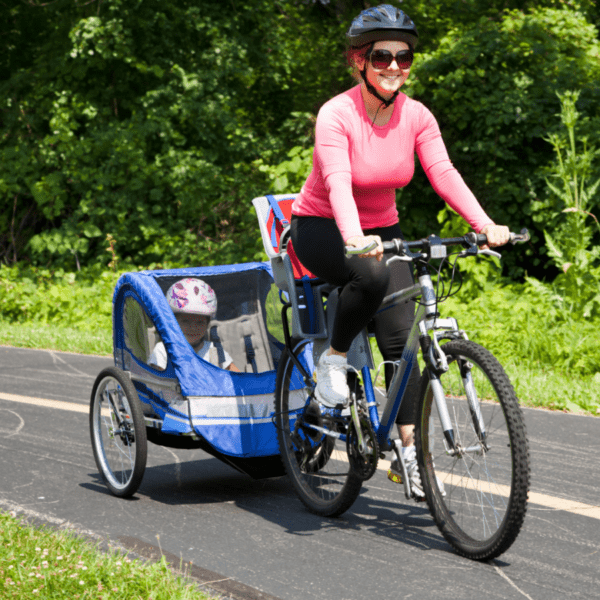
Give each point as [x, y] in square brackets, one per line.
[497, 235]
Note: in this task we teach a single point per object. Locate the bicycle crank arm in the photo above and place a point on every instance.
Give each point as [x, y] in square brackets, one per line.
[333, 434]
[405, 480]
[362, 447]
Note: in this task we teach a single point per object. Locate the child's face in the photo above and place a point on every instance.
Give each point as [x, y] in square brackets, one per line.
[193, 327]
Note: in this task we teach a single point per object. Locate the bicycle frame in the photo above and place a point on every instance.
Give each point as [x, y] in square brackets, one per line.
[426, 320]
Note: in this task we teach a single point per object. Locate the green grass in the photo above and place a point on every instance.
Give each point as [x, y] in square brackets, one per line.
[536, 384]
[552, 359]
[37, 562]
[542, 387]
[55, 337]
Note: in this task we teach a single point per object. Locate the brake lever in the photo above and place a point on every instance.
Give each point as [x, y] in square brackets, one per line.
[400, 258]
[489, 252]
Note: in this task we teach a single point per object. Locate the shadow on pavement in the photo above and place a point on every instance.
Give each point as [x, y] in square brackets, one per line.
[209, 481]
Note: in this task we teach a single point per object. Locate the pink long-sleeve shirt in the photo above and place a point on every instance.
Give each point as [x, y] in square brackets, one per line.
[358, 165]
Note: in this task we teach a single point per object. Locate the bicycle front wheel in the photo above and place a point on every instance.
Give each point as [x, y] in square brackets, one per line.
[477, 487]
[316, 463]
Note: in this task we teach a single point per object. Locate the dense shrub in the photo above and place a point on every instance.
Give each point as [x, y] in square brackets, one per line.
[492, 87]
[39, 296]
[143, 120]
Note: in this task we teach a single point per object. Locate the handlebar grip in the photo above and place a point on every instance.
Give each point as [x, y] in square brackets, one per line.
[514, 238]
[351, 250]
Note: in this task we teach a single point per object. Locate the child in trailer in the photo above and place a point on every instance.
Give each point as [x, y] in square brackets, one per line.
[194, 303]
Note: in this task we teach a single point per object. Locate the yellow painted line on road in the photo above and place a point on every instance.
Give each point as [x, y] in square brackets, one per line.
[60, 404]
[545, 500]
[571, 506]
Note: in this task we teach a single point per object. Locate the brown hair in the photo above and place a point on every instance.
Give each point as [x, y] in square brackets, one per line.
[353, 54]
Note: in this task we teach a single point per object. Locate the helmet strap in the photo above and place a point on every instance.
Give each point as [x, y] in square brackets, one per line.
[371, 89]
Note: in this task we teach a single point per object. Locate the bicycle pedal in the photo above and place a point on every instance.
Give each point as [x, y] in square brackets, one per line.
[395, 477]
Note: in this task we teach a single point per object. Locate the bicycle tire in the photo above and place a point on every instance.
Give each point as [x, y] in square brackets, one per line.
[485, 501]
[316, 464]
[120, 451]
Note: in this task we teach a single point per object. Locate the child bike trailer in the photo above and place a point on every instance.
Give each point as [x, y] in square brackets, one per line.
[191, 403]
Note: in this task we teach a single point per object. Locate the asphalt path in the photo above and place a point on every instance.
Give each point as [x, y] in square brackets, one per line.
[254, 539]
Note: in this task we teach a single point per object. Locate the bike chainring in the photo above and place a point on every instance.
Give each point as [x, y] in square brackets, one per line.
[363, 465]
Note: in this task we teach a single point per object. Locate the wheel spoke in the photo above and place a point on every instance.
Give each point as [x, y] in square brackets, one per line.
[119, 458]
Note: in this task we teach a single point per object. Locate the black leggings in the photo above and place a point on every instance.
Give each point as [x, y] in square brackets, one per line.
[365, 281]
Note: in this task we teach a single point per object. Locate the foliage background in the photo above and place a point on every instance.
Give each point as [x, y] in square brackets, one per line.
[158, 121]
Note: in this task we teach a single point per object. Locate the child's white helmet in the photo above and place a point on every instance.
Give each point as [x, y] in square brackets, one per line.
[192, 296]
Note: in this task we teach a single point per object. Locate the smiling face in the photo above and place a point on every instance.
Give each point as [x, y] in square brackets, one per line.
[193, 327]
[389, 80]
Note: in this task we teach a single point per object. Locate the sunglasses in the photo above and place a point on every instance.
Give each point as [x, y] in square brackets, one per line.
[382, 59]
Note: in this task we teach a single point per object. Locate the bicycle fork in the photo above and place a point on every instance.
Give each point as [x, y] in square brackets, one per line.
[437, 365]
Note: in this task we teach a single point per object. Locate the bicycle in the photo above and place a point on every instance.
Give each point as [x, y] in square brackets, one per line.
[471, 440]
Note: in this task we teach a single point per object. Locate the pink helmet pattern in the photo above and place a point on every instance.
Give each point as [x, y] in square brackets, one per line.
[192, 296]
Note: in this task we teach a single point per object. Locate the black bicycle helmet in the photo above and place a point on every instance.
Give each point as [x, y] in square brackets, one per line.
[384, 22]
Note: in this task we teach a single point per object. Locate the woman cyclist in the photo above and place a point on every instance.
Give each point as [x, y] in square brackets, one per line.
[365, 142]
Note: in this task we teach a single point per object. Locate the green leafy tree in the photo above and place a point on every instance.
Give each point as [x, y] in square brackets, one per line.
[436, 19]
[492, 88]
[144, 121]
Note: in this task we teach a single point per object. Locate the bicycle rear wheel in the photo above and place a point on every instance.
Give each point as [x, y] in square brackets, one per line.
[316, 463]
[486, 476]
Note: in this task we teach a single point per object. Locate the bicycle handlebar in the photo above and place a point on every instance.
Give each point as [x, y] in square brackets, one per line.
[469, 241]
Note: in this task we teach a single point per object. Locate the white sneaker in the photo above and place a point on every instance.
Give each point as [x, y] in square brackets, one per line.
[332, 386]
[409, 455]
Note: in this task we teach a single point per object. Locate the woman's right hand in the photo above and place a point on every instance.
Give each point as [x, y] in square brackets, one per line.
[361, 241]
